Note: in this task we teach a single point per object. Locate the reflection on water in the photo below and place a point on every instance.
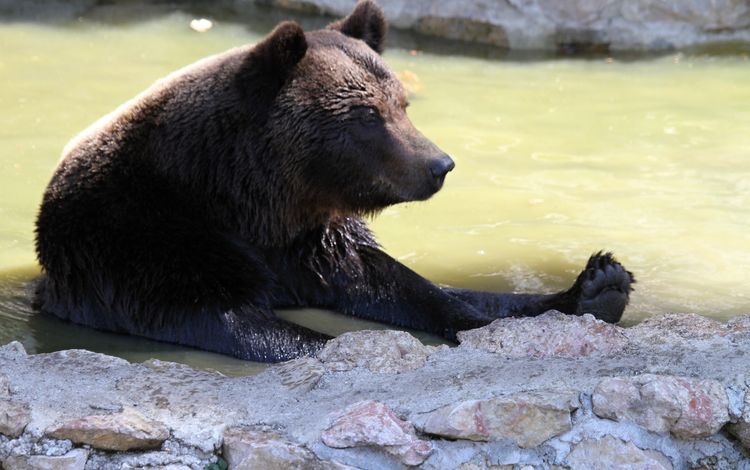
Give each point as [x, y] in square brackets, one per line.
[555, 159]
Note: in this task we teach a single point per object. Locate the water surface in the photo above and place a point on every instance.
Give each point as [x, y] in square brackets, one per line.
[556, 158]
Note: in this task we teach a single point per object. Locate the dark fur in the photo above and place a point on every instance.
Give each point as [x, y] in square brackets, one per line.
[237, 186]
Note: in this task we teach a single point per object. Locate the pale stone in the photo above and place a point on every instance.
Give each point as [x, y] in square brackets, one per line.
[370, 423]
[486, 466]
[73, 460]
[527, 419]
[13, 349]
[383, 351]
[739, 324]
[688, 408]
[14, 416]
[4, 387]
[592, 454]
[552, 334]
[301, 374]
[246, 449]
[675, 329]
[122, 431]
[741, 429]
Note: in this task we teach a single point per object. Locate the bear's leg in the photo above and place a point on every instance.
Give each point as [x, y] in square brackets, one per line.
[388, 292]
[245, 333]
[602, 289]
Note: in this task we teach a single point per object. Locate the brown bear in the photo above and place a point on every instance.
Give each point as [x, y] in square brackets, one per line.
[238, 185]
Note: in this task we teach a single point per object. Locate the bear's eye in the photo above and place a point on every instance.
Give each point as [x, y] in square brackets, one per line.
[367, 115]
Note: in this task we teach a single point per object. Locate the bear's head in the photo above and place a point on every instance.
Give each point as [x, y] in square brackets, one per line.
[338, 121]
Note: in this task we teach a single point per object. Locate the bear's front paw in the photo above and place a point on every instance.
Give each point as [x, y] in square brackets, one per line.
[603, 288]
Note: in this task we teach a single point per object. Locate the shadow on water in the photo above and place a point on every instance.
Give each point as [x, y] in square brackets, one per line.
[261, 19]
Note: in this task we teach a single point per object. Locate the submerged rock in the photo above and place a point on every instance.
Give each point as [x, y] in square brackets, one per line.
[383, 351]
[552, 334]
[688, 408]
[73, 460]
[121, 431]
[370, 423]
[14, 417]
[527, 419]
[614, 454]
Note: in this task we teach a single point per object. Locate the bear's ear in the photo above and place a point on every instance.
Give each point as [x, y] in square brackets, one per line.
[281, 50]
[366, 22]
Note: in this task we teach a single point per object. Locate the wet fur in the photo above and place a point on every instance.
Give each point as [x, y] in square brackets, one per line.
[238, 185]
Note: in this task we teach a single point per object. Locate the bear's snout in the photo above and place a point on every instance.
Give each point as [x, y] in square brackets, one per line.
[439, 167]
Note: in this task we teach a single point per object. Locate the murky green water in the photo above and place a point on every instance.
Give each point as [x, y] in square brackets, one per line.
[556, 158]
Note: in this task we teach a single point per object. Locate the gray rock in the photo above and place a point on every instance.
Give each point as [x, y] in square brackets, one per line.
[197, 406]
[683, 329]
[14, 349]
[121, 431]
[688, 408]
[527, 419]
[382, 351]
[301, 374]
[15, 415]
[369, 423]
[552, 334]
[246, 449]
[614, 454]
[569, 25]
[4, 387]
[741, 428]
[73, 460]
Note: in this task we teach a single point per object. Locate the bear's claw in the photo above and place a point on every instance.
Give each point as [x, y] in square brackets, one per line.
[603, 288]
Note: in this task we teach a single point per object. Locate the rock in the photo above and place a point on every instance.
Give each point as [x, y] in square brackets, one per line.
[741, 429]
[14, 416]
[565, 25]
[121, 431]
[382, 351]
[527, 419]
[550, 334]
[370, 423]
[73, 460]
[14, 349]
[673, 329]
[462, 29]
[738, 328]
[688, 408]
[4, 387]
[739, 324]
[590, 454]
[246, 449]
[302, 374]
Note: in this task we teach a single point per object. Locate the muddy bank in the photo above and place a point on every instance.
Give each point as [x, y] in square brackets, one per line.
[546, 392]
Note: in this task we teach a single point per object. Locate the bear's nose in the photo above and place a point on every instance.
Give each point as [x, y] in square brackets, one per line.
[439, 167]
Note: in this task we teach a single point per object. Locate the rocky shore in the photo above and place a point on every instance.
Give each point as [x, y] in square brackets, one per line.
[552, 392]
[565, 25]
